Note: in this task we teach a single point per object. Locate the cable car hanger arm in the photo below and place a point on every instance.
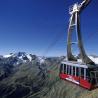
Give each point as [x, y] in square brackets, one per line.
[84, 4]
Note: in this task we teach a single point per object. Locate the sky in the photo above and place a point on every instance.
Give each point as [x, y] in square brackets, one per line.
[40, 26]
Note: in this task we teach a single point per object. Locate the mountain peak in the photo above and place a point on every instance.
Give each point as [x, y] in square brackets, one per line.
[23, 57]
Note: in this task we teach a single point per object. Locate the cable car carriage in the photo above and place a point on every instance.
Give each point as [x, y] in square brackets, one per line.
[81, 74]
[85, 73]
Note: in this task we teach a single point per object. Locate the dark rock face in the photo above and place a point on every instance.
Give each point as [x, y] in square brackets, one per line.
[5, 70]
[19, 92]
[17, 82]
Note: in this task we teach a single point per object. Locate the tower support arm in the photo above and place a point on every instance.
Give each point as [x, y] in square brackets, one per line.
[84, 4]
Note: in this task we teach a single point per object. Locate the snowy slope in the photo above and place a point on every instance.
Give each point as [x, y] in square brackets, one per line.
[23, 57]
[94, 59]
[7, 56]
[18, 58]
[19, 55]
[41, 59]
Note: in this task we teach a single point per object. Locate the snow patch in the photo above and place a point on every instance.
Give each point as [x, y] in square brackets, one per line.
[41, 59]
[20, 56]
[7, 56]
[94, 59]
[29, 57]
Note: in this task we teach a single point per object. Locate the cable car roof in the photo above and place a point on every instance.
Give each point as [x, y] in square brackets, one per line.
[78, 64]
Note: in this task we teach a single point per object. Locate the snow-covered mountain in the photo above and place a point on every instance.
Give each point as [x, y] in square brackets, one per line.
[23, 57]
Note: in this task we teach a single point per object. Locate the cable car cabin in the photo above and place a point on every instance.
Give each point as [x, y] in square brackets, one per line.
[81, 74]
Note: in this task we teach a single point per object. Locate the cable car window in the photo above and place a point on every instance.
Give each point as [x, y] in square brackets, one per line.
[77, 71]
[93, 77]
[82, 72]
[73, 70]
[61, 68]
[64, 68]
[69, 70]
[88, 75]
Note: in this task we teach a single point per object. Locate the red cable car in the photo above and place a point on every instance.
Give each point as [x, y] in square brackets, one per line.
[85, 73]
[81, 74]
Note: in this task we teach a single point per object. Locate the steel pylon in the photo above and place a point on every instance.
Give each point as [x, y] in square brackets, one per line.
[74, 24]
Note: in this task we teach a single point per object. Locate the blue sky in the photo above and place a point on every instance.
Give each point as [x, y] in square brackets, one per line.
[40, 26]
